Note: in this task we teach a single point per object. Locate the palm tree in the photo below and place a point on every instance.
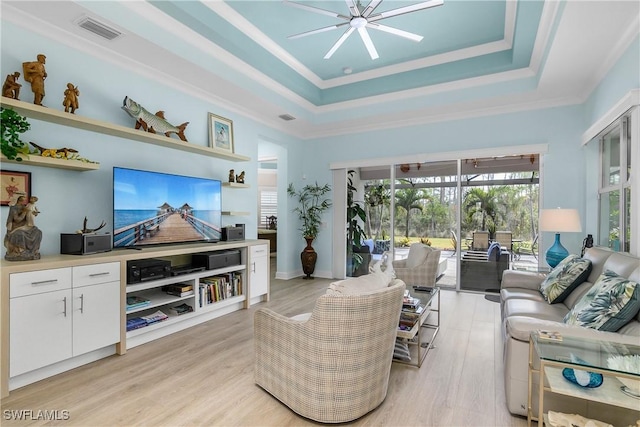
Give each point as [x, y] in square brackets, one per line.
[408, 199]
[486, 202]
[377, 197]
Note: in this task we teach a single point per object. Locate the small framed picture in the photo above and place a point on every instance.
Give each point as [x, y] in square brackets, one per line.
[220, 133]
[14, 184]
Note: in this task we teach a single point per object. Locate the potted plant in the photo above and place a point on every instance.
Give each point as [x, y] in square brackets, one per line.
[311, 204]
[13, 124]
[357, 255]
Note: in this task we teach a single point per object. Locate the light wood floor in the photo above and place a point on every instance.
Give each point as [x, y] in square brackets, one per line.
[203, 376]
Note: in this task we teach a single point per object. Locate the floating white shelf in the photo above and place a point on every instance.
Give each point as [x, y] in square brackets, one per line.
[50, 162]
[235, 185]
[235, 213]
[72, 120]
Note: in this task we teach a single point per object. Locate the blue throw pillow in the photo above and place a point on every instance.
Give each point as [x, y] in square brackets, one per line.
[493, 253]
[609, 305]
[564, 278]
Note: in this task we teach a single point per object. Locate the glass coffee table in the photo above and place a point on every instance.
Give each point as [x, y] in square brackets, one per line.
[430, 303]
[582, 354]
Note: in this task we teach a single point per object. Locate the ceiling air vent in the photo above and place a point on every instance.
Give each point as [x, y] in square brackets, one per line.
[286, 117]
[98, 28]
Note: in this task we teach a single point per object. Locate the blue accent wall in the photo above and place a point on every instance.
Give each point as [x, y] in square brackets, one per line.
[66, 197]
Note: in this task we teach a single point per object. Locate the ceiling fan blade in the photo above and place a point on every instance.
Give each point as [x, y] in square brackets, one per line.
[339, 43]
[315, 9]
[364, 35]
[353, 7]
[370, 8]
[319, 30]
[395, 31]
[406, 9]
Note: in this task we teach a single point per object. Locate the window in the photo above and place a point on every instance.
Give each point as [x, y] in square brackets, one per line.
[268, 206]
[615, 186]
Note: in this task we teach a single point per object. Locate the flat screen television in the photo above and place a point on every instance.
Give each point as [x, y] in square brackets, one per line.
[151, 208]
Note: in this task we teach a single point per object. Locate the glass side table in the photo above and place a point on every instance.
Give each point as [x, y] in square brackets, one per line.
[593, 356]
[413, 336]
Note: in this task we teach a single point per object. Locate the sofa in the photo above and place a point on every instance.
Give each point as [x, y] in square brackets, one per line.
[482, 270]
[332, 365]
[524, 308]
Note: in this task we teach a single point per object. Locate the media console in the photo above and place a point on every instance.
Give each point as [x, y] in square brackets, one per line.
[49, 324]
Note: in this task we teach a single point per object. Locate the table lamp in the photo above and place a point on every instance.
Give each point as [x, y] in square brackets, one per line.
[558, 221]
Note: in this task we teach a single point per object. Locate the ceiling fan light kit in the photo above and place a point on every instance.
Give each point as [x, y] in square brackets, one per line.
[360, 19]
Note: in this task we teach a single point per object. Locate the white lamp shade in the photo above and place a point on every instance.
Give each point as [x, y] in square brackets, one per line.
[560, 221]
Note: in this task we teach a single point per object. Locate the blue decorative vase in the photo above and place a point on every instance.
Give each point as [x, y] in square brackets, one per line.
[556, 253]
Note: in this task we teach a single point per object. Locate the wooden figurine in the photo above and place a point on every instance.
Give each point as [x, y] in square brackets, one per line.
[35, 73]
[11, 87]
[240, 178]
[232, 176]
[23, 237]
[70, 101]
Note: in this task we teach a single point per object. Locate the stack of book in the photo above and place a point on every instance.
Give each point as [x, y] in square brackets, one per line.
[179, 289]
[156, 317]
[135, 323]
[134, 301]
[410, 303]
[142, 321]
[181, 309]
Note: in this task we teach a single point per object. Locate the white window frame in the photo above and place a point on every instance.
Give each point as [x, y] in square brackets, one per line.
[627, 124]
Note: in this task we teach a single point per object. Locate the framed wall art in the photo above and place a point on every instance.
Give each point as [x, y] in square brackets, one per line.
[12, 185]
[220, 133]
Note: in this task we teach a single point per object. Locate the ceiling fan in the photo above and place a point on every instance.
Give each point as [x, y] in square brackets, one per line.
[360, 19]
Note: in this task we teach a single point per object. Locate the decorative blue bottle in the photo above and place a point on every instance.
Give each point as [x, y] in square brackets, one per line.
[556, 253]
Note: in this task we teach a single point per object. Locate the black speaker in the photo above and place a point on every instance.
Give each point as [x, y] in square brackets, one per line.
[233, 233]
[84, 244]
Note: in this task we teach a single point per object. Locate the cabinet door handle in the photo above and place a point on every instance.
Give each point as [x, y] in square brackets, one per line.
[44, 282]
[253, 267]
[106, 273]
[65, 306]
[82, 303]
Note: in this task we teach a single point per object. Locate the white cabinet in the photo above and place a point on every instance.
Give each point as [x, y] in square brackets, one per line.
[259, 272]
[41, 324]
[61, 313]
[96, 307]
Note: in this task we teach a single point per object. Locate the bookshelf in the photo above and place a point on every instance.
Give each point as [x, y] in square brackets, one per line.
[203, 296]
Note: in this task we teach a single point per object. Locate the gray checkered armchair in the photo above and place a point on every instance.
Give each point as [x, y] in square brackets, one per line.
[333, 366]
[420, 267]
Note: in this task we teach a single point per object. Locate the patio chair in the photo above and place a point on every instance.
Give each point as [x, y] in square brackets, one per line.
[480, 240]
[504, 239]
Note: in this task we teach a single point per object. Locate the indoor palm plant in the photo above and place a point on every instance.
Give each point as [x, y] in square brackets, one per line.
[356, 255]
[311, 204]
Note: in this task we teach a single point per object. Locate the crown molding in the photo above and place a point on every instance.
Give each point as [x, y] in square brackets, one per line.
[550, 11]
[489, 107]
[628, 37]
[238, 21]
[630, 100]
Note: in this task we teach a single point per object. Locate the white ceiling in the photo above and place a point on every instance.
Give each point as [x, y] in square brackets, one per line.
[478, 57]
